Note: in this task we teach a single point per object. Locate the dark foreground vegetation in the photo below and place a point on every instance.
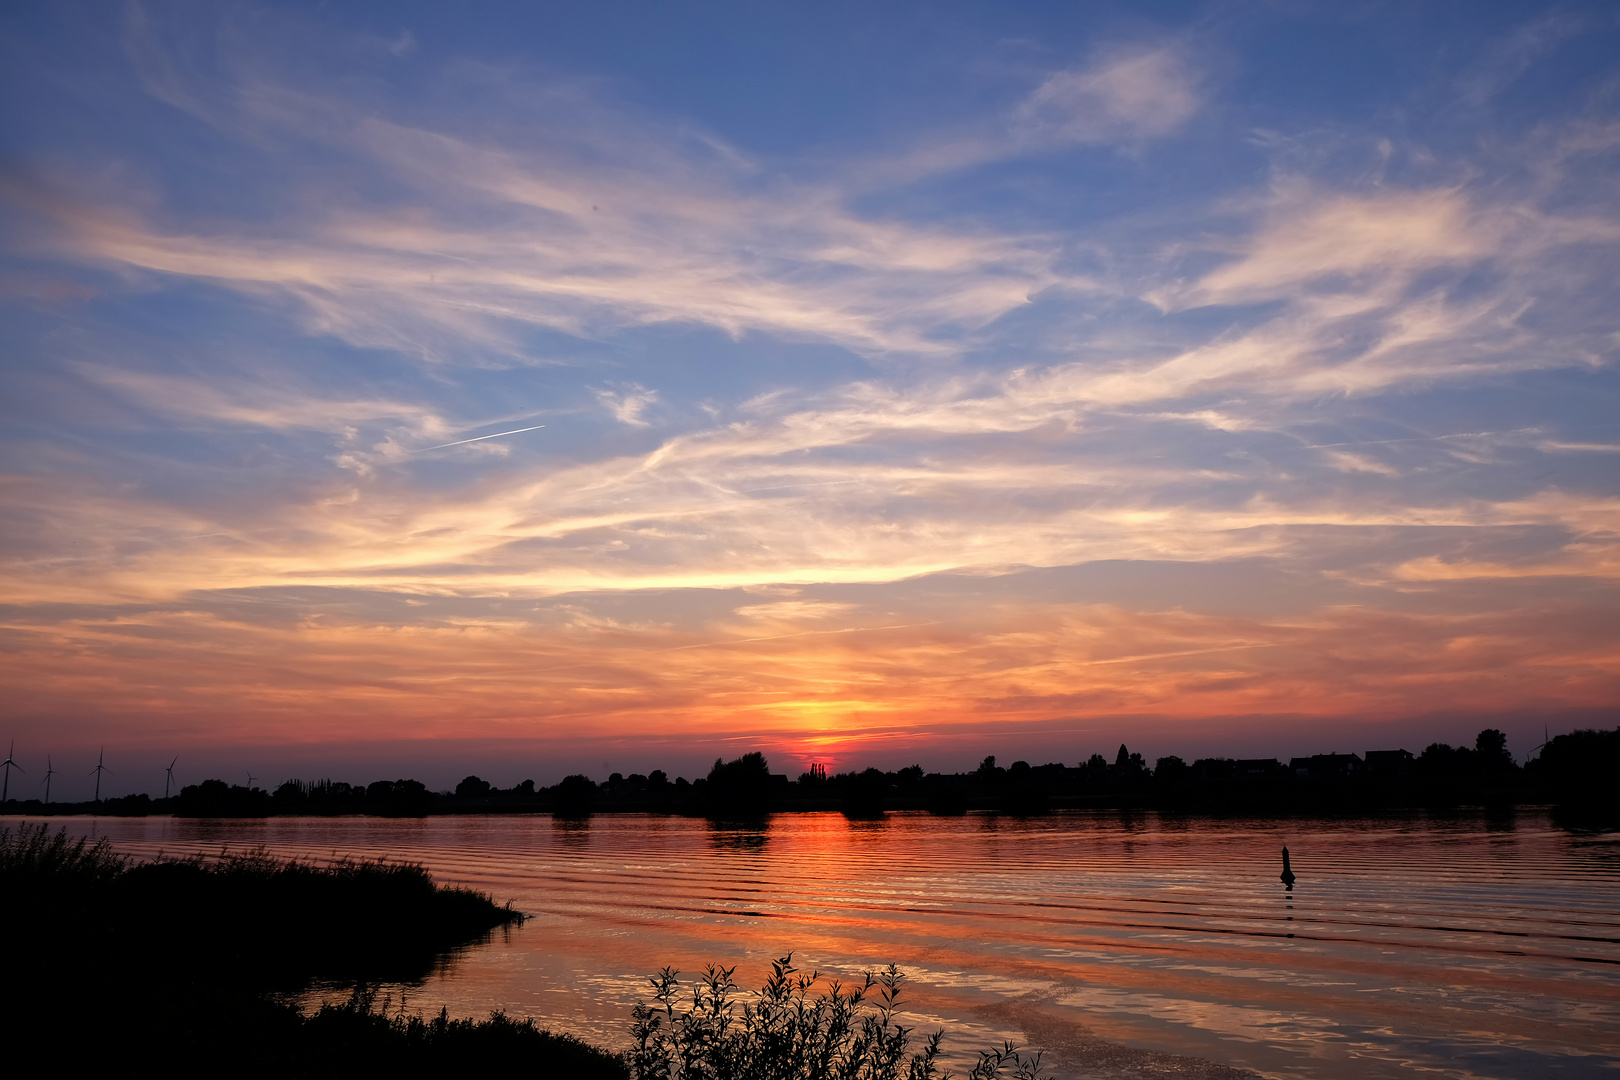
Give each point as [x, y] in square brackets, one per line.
[185, 964]
[793, 1028]
[1576, 772]
[191, 960]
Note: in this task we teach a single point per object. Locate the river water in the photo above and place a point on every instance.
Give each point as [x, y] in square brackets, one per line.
[1119, 944]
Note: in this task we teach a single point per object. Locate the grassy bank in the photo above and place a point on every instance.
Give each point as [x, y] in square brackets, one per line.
[196, 957]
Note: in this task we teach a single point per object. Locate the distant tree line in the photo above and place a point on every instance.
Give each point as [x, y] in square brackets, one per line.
[1577, 771]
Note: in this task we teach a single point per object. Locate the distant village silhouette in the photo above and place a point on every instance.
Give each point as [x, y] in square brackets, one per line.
[1574, 772]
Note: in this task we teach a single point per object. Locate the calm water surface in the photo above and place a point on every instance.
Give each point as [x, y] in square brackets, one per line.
[1120, 944]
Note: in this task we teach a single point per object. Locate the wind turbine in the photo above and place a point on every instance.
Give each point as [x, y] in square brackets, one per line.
[251, 778]
[98, 770]
[168, 776]
[8, 765]
[1546, 737]
[49, 772]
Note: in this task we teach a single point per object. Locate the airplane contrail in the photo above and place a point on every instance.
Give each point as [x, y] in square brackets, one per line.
[481, 438]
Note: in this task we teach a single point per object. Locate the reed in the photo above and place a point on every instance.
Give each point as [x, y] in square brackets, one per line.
[31, 854]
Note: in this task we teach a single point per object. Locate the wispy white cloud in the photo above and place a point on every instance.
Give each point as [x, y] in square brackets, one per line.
[228, 400]
[1333, 242]
[627, 403]
[585, 248]
[1122, 96]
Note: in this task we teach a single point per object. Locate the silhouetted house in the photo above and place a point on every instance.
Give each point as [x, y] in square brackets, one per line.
[1254, 768]
[1327, 765]
[1390, 762]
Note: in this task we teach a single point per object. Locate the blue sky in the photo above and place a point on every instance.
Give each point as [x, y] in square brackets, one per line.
[883, 381]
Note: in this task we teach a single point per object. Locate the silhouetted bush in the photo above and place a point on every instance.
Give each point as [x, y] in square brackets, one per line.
[788, 1032]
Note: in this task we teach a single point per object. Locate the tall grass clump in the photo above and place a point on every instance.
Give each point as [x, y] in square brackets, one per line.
[790, 1030]
[362, 1037]
[47, 877]
[32, 853]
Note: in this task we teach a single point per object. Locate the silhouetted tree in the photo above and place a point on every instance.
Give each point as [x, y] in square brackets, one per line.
[864, 792]
[1443, 759]
[472, 788]
[332, 797]
[1128, 766]
[1214, 768]
[1580, 769]
[573, 796]
[1023, 792]
[1491, 747]
[398, 798]
[947, 798]
[1171, 770]
[215, 798]
[739, 788]
[137, 805]
[290, 797]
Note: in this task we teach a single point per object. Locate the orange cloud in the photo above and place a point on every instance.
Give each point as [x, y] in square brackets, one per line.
[785, 674]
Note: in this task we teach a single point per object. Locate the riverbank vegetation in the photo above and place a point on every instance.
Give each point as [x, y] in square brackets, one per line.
[1574, 771]
[177, 961]
[199, 958]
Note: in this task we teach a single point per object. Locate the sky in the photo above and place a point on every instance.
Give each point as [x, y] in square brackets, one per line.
[520, 389]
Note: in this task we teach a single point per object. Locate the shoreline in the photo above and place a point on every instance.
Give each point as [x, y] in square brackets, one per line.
[987, 807]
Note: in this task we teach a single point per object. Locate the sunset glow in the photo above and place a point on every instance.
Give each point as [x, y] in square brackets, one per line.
[574, 389]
